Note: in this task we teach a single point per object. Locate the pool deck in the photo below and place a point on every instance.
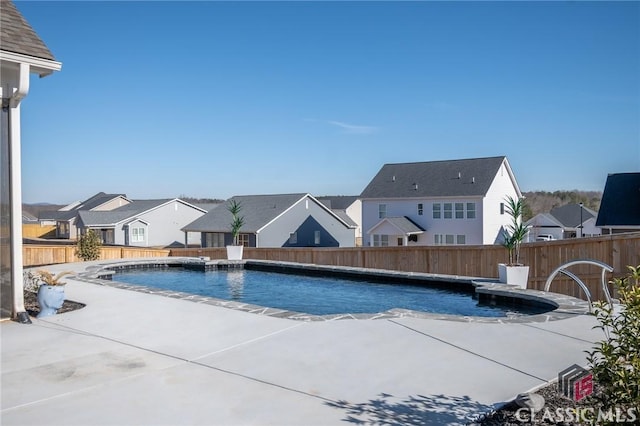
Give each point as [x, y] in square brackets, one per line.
[136, 358]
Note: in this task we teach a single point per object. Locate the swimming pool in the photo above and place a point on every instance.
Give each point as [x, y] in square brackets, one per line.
[321, 295]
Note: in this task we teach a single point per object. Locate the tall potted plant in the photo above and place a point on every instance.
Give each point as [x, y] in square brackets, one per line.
[514, 272]
[234, 251]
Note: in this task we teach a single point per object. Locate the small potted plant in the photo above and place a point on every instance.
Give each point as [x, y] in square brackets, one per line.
[234, 251]
[514, 272]
[50, 292]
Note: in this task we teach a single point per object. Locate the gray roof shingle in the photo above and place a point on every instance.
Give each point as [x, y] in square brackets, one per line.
[339, 202]
[569, 214]
[111, 217]
[257, 210]
[16, 35]
[453, 178]
[90, 203]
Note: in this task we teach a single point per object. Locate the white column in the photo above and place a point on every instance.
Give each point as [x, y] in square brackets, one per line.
[15, 188]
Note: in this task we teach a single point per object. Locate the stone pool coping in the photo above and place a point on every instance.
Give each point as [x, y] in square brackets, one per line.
[565, 306]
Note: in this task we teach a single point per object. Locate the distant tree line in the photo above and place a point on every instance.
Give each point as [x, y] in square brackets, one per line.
[535, 201]
[542, 201]
[193, 200]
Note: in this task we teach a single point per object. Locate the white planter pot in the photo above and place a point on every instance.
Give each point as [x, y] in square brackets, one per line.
[234, 252]
[513, 275]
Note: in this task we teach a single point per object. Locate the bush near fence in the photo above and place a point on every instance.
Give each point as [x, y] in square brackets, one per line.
[618, 250]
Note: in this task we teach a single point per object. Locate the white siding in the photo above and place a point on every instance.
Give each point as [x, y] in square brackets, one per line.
[354, 211]
[493, 222]
[470, 228]
[165, 223]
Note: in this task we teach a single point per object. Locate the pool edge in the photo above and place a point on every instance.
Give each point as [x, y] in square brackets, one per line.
[565, 306]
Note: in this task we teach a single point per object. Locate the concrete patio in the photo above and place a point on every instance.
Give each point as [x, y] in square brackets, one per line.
[130, 358]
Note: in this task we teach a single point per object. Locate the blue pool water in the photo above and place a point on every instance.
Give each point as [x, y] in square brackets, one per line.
[316, 295]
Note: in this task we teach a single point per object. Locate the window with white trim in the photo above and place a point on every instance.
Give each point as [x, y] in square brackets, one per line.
[214, 239]
[448, 210]
[382, 211]
[471, 210]
[459, 210]
[293, 238]
[420, 209]
[380, 240]
[137, 235]
[448, 239]
[316, 237]
[437, 211]
[243, 240]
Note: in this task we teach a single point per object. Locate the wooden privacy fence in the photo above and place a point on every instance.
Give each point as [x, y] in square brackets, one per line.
[618, 251]
[35, 230]
[37, 255]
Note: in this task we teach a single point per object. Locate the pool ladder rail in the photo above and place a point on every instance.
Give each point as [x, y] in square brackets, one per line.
[562, 269]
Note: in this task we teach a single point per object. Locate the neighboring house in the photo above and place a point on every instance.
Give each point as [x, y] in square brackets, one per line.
[22, 53]
[620, 205]
[283, 220]
[143, 223]
[438, 202]
[66, 217]
[348, 207]
[568, 221]
[28, 218]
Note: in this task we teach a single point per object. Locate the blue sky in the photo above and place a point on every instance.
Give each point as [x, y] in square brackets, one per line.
[215, 99]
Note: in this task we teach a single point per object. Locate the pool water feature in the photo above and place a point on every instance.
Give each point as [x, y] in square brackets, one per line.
[321, 295]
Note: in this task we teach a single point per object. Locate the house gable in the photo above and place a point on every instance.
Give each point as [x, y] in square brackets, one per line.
[333, 230]
[310, 233]
[269, 219]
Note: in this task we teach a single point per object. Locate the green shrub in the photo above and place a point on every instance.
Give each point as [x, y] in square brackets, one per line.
[89, 246]
[237, 221]
[615, 361]
[516, 231]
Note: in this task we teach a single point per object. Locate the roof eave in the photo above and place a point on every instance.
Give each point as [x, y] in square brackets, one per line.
[40, 66]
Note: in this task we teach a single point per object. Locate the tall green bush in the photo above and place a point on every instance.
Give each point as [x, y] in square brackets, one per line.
[615, 361]
[88, 247]
[237, 221]
[516, 231]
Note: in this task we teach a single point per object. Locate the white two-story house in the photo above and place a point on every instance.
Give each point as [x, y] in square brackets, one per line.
[452, 202]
